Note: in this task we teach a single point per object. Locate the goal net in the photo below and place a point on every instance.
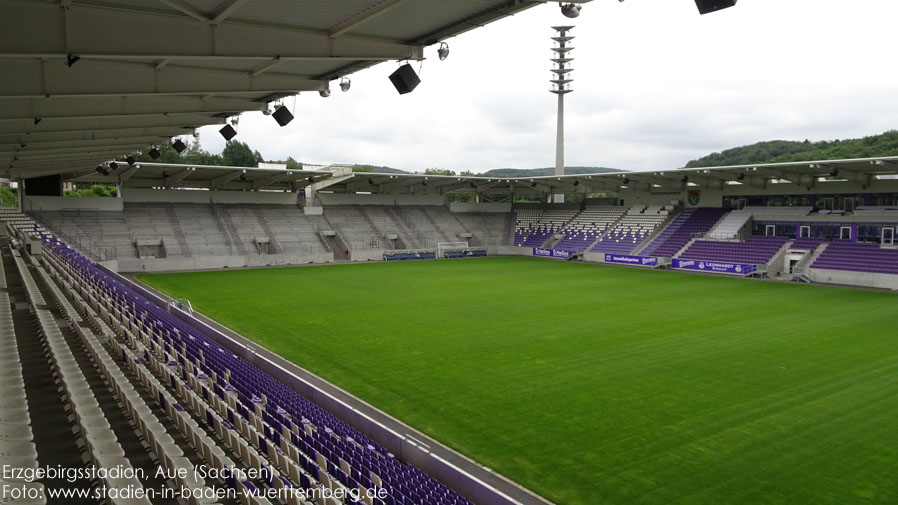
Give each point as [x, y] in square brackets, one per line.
[445, 247]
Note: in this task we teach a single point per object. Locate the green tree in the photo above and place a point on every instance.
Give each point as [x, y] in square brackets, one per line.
[782, 151]
[96, 190]
[239, 154]
[8, 197]
[196, 155]
[438, 171]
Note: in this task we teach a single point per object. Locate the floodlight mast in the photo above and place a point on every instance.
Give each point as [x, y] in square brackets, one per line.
[561, 85]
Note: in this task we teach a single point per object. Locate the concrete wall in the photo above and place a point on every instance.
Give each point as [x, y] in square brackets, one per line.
[38, 203]
[362, 199]
[138, 195]
[479, 207]
[865, 279]
[214, 262]
[510, 250]
[662, 196]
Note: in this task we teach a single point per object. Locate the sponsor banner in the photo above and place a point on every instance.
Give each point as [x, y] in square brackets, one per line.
[642, 261]
[715, 266]
[551, 253]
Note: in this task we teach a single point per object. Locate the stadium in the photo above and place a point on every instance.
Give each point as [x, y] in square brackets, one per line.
[217, 334]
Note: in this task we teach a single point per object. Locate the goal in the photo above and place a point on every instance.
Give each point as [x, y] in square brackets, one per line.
[445, 247]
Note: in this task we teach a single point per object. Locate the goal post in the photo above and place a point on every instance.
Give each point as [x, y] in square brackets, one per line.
[445, 247]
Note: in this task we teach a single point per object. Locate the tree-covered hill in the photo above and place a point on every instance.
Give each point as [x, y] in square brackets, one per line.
[779, 151]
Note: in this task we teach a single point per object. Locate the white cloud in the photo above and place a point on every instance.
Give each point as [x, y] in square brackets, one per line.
[655, 86]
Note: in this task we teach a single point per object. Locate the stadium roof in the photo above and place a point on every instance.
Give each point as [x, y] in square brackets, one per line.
[85, 81]
[863, 171]
[341, 179]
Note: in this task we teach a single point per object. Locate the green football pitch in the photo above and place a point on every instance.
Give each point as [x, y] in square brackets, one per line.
[599, 385]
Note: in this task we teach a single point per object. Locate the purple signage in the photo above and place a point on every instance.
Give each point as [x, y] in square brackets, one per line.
[641, 261]
[715, 266]
[551, 253]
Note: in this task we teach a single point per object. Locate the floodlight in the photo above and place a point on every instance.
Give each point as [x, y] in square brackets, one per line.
[179, 145]
[154, 153]
[740, 177]
[834, 172]
[113, 165]
[626, 181]
[443, 51]
[130, 159]
[571, 10]
[685, 179]
[325, 92]
[576, 183]
[345, 84]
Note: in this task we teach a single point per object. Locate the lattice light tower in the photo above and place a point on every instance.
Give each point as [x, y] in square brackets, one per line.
[561, 85]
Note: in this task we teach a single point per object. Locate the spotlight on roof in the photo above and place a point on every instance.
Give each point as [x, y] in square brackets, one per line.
[179, 145]
[324, 93]
[99, 169]
[71, 59]
[154, 153]
[113, 165]
[130, 159]
[443, 51]
[345, 84]
[834, 172]
[282, 115]
[626, 181]
[243, 176]
[228, 132]
[571, 10]
[706, 6]
[533, 184]
[576, 183]
[685, 179]
[741, 176]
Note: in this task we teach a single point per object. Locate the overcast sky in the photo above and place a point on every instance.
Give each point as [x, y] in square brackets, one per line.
[655, 86]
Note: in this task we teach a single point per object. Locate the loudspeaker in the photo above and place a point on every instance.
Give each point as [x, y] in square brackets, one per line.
[228, 132]
[405, 79]
[706, 6]
[282, 116]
